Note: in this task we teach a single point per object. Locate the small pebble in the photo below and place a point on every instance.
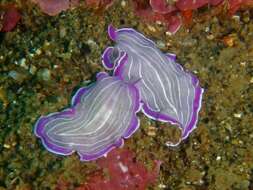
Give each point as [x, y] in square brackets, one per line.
[236, 17]
[46, 43]
[162, 186]
[160, 44]
[243, 63]
[237, 115]
[3, 97]
[38, 52]
[251, 80]
[7, 146]
[168, 33]
[229, 40]
[32, 69]
[207, 29]
[23, 64]
[151, 131]
[17, 76]
[92, 43]
[151, 28]
[123, 3]
[210, 37]
[62, 32]
[158, 22]
[44, 74]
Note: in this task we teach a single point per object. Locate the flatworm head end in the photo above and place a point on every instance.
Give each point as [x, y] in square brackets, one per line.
[112, 32]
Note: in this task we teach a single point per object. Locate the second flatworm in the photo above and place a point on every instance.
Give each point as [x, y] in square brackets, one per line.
[168, 92]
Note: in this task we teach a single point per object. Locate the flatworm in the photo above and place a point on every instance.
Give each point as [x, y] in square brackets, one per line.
[100, 117]
[168, 92]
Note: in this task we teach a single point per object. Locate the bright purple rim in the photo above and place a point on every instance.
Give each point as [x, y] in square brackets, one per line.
[172, 56]
[39, 127]
[101, 75]
[77, 97]
[112, 32]
[83, 90]
[133, 31]
[196, 108]
[106, 62]
[104, 152]
[135, 123]
[105, 58]
[155, 115]
[41, 122]
[118, 71]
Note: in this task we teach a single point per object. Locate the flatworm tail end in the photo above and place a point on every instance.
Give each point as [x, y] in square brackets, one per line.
[39, 128]
[40, 132]
[196, 108]
[186, 130]
[157, 115]
[135, 122]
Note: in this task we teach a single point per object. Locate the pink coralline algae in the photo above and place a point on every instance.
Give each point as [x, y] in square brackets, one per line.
[235, 5]
[159, 10]
[54, 7]
[190, 4]
[172, 15]
[99, 3]
[161, 7]
[123, 172]
[11, 17]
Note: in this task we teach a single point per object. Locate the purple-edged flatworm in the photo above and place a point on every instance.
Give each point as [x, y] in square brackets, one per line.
[168, 92]
[101, 116]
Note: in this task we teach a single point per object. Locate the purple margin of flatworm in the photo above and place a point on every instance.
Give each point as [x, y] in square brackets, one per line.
[171, 56]
[134, 124]
[38, 130]
[105, 58]
[112, 33]
[106, 61]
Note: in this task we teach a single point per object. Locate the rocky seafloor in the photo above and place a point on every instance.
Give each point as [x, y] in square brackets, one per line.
[45, 59]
